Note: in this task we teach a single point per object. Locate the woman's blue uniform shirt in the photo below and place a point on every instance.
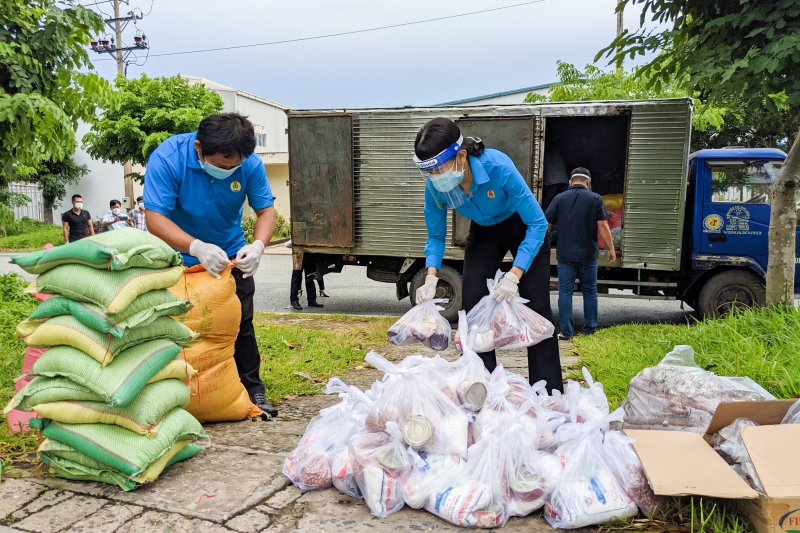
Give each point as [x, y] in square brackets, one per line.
[498, 190]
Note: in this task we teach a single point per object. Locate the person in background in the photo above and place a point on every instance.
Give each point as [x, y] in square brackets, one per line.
[579, 214]
[139, 221]
[484, 186]
[76, 223]
[116, 219]
[296, 283]
[195, 186]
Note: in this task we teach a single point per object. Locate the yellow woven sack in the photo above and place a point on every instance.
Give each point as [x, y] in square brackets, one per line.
[217, 393]
[613, 201]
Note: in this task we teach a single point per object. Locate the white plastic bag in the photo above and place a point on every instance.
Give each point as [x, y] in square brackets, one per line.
[472, 496]
[793, 414]
[677, 394]
[429, 420]
[423, 323]
[588, 492]
[628, 470]
[504, 326]
[469, 377]
[507, 393]
[309, 465]
[427, 471]
[380, 465]
[590, 402]
[730, 445]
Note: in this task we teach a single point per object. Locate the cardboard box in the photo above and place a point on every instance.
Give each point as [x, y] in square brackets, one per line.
[684, 464]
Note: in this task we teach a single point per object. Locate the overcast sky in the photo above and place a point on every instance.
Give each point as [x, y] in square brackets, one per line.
[420, 64]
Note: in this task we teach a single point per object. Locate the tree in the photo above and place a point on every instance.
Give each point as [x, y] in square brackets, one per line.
[593, 83]
[53, 178]
[144, 112]
[745, 50]
[43, 91]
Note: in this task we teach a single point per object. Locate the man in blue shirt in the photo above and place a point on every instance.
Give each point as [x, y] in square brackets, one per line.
[579, 214]
[195, 187]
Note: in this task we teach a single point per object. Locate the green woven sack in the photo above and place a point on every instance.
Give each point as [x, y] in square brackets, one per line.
[66, 330]
[120, 448]
[115, 384]
[144, 309]
[112, 250]
[141, 415]
[42, 390]
[112, 291]
[66, 462]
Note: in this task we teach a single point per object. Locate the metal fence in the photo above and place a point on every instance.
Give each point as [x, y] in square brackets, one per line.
[35, 207]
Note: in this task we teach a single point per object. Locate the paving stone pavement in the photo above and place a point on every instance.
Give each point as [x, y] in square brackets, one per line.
[234, 485]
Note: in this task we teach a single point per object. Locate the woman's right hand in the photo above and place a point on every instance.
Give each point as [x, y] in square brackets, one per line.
[427, 292]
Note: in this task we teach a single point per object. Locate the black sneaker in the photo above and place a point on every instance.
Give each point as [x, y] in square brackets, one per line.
[267, 408]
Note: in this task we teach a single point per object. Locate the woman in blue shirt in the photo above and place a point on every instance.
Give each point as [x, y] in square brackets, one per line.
[484, 186]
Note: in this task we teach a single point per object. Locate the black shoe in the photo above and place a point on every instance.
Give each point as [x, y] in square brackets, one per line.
[297, 306]
[315, 304]
[261, 402]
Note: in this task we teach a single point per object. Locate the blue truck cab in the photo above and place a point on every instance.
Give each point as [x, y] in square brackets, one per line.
[728, 204]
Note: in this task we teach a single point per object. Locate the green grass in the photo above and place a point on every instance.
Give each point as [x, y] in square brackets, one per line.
[763, 344]
[15, 448]
[689, 515]
[32, 240]
[321, 347]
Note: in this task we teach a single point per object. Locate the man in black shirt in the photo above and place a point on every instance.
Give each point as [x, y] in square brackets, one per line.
[76, 222]
[579, 214]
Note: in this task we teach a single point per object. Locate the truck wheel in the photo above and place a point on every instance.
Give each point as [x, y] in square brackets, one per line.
[449, 287]
[728, 289]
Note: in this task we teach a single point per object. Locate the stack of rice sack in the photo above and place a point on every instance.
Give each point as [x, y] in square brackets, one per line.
[110, 386]
[215, 316]
[473, 448]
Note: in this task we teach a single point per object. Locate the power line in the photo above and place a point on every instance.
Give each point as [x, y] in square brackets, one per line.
[340, 34]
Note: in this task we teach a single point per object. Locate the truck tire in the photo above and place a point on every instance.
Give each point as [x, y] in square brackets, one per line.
[449, 287]
[729, 288]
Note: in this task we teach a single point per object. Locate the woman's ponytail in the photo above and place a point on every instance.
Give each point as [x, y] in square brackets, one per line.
[474, 146]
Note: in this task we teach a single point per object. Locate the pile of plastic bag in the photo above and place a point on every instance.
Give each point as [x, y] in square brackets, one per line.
[677, 394]
[472, 448]
[103, 377]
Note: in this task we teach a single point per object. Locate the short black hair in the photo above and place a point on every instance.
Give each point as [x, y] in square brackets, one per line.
[76, 196]
[229, 134]
[439, 133]
[580, 170]
[112, 202]
[139, 199]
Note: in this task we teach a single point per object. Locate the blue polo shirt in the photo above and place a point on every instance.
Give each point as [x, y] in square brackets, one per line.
[498, 191]
[204, 207]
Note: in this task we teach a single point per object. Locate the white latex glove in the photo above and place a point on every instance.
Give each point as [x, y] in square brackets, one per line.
[248, 258]
[427, 291]
[211, 256]
[507, 288]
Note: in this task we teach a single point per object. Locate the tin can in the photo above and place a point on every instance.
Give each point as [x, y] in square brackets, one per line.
[389, 460]
[472, 394]
[417, 431]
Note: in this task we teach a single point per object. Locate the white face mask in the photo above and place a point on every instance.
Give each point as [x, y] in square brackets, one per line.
[78, 205]
[141, 205]
[115, 211]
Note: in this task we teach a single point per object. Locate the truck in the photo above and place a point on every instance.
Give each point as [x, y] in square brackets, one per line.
[693, 227]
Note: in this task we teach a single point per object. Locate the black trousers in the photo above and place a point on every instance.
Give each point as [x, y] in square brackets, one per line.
[297, 278]
[486, 247]
[246, 355]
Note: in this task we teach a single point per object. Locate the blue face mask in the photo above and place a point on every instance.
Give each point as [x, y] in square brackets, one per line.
[216, 172]
[446, 181]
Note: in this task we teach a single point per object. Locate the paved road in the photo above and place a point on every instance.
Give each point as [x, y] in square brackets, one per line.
[353, 293]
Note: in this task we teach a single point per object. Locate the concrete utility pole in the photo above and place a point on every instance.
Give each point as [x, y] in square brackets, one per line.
[620, 29]
[126, 168]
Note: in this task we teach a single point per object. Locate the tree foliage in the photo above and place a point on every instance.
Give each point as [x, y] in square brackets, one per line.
[53, 178]
[593, 83]
[44, 84]
[143, 113]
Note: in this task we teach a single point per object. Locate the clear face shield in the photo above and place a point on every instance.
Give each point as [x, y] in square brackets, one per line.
[443, 175]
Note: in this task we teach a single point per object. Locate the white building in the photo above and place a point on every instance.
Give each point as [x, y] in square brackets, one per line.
[104, 181]
[516, 96]
[272, 141]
